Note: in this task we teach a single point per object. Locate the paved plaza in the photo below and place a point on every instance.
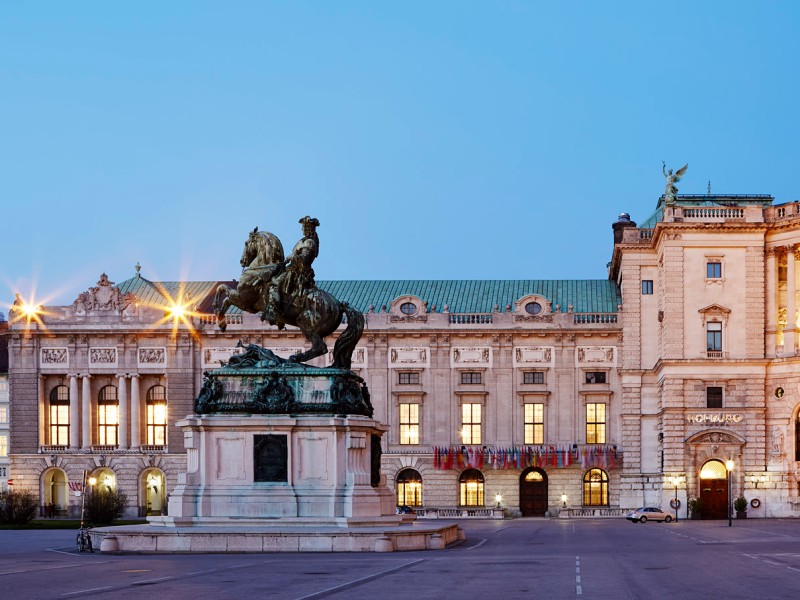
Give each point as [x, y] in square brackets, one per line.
[522, 558]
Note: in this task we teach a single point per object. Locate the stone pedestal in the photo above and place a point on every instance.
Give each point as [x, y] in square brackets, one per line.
[299, 469]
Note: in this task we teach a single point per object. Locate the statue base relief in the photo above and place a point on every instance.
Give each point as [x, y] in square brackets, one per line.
[281, 457]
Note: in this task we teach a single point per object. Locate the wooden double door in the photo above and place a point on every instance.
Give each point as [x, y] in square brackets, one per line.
[714, 495]
[533, 493]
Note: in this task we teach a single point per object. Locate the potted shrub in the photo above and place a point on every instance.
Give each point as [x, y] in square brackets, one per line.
[696, 508]
[740, 506]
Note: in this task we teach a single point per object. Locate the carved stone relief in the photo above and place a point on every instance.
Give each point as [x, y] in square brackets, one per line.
[527, 355]
[401, 357]
[103, 297]
[595, 354]
[214, 357]
[103, 356]
[54, 356]
[359, 357]
[465, 355]
[152, 356]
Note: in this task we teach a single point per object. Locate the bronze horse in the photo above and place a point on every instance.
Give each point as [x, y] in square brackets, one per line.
[314, 311]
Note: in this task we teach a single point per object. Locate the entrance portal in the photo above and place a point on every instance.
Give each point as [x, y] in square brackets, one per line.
[714, 490]
[533, 493]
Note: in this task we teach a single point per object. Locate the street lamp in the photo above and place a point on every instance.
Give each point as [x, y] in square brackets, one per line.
[91, 481]
[729, 468]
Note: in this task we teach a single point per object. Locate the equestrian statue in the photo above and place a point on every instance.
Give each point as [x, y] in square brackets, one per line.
[283, 290]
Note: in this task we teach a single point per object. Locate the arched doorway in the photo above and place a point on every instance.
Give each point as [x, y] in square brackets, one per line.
[533, 493]
[470, 486]
[153, 492]
[55, 493]
[714, 490]
[409, 488]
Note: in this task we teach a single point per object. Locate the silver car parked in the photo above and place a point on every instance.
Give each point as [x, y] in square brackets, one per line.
[648, 513]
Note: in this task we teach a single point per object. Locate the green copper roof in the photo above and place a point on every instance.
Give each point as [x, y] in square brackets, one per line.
[461, 296]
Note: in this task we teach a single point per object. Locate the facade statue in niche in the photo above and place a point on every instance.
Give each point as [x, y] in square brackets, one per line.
[777, 440]
[102, 297]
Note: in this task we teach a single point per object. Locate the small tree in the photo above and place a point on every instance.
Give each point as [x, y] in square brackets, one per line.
[17, 508]
[740, 504]
[105, 505]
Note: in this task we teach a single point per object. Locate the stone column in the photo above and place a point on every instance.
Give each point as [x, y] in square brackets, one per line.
[74, 414]
[86, 413]
[123, 412]
[790, 333]
[42, 411]
[771, 300]
[135, 408]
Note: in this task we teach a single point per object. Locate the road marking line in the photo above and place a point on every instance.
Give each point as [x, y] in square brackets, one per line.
[355, 582]
[37, 569]
[769, 562]
[478, 545]
[100, 589]
[792, 569]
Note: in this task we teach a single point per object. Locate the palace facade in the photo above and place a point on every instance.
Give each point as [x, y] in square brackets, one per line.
[561, 397]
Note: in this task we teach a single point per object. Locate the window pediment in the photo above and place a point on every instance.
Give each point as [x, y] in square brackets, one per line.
[714, 312]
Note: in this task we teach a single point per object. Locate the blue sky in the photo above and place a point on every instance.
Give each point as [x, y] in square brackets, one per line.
[433, 140]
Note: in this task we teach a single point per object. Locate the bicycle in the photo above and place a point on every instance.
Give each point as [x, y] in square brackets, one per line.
[84, 540]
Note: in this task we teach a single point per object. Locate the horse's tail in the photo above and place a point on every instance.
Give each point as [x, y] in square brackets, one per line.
[343, 349]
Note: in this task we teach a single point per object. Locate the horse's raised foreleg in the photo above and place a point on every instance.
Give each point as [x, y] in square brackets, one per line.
[318, 348]
[221, 308]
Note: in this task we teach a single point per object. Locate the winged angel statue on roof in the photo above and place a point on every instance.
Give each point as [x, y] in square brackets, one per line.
[671, 190]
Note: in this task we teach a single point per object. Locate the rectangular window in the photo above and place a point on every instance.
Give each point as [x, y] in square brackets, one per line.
[409, 423]
[595, 377]
[534, 423]
[3, 414]
[3, 472]
[470, 423]
[595, 423]
[714, 337]
[3, 445]
[156, 423]
[714, 397]
[647, 287]
[533, 377]
[713, 270]
[59, 416]
[407, 378]
[108, 416]
[471, 377]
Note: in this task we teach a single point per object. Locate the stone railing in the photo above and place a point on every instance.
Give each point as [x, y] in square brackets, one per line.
[712, 212]
[715, 354]
[460, 513]
[206, 319]
[785, 211]
[54, 449]
[592, 318]
[596, 512]
[153, 449]
[470, 318]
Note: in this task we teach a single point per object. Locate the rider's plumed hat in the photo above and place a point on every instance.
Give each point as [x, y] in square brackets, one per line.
[309, 221]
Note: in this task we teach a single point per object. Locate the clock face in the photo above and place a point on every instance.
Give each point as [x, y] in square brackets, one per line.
[779, 392]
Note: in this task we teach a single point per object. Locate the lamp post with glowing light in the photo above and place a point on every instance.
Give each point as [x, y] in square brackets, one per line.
[729, 469]
[91, 481]
[676, 481]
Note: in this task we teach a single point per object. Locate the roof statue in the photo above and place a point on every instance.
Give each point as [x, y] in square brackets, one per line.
[284, 291]
[671, 190]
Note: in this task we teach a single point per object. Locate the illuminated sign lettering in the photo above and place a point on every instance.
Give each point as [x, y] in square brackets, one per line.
[715, 418]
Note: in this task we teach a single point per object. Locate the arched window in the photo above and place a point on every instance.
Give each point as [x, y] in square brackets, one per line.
[157, 416]
[797, 437]
[59, 416]
[108, 416]
[409, 488]
[105, 480]
[595, 488]
[713, 469]
[470, 484]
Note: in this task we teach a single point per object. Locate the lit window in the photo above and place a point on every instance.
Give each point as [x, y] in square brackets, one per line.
[714, 337]
[409, 488]
[3, 445]
[595, 377]
[470, 378]
[407, 378]
[595, 423]
[408, 308]
[59, 416]
[157, 416]
[3, 414]
[595, 488]
[108, 416]
[470, 485]
[647, 287]
[713, 270]
[714, 397]
[471, 423]
[533, 377]
[534, 423]
[409, 423]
